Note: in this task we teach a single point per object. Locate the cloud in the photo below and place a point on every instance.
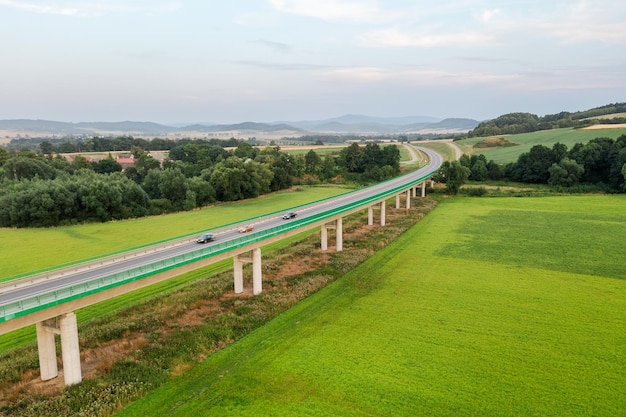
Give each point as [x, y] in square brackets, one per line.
[276, 46]
[396, 38]
[281, 66]
[92, 8]
[583, 23]
[358, 74]
[351, 11]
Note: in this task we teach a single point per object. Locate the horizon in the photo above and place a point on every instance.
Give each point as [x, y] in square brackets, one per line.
[168, 61]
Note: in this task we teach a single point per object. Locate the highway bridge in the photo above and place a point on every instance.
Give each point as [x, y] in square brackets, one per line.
[49, 300]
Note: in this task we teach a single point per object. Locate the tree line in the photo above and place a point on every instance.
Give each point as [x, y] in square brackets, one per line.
[514, 123]
[39, 189]
[599, 164]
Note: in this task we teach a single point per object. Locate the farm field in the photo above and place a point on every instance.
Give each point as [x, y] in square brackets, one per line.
[490, 306]
[525, 141]
[60, 245]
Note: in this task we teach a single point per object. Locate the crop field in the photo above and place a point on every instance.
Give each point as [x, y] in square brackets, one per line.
[488, 306]
[525, 141]
[26, 250]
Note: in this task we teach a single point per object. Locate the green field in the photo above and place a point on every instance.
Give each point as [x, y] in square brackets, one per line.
[525, 141]
[26, 250]
[492, 306]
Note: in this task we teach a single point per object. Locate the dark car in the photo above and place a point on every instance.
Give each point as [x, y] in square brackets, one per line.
[289, 215]
[206, 237]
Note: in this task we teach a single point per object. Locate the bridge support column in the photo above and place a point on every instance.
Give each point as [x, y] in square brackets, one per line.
[338, 226]
[432, 183]
[339, 237]
[414, 191]
[238, 273]
[382, 213]
[408, 199]
[70, 349]
[65, 326]
[370, 216]
[423, 189]
[254, 257]
[397, 201]
[257, 276]
[47, 350]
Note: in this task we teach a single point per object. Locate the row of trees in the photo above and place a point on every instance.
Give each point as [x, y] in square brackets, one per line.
[600, 163]
[46, 190]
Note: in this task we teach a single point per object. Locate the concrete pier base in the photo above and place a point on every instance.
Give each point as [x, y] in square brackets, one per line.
[338, 226]
[254, 257]
[65, 326]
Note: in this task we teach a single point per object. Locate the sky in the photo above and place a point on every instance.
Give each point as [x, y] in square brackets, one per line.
[219, 61]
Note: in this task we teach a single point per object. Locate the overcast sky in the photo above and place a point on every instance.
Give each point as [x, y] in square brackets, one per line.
[268, 60]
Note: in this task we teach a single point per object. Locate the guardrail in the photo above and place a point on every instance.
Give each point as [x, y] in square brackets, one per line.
[39, 302]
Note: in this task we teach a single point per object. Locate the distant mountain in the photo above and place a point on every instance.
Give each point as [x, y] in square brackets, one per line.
[242, 127]
[347, 124]
[364, 125]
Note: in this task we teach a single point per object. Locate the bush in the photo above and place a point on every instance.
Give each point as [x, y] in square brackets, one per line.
[474, 191]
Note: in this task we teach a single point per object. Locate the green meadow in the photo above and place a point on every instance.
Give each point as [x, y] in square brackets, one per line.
[488, 306]
[525, 141]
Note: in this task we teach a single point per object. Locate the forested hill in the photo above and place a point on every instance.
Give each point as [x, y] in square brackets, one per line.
[527, 122]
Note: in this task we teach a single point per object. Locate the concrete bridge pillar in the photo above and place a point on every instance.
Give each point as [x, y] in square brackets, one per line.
[397, 201]
[70, 349]
[408, 199]
[370, 215]
[423, 189]
[339, 237]
[254, 257]
[257, 276]
[432, 183]
[238, 273]
[64, 325]
[382, 213]
[338, 226]
[414, 191]
[47, 349]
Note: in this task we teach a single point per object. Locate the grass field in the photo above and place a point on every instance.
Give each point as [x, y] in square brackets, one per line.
[26, 250]
[491, 306]
[525, 141]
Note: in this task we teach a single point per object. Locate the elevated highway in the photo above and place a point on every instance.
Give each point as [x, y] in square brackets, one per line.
[49, 300]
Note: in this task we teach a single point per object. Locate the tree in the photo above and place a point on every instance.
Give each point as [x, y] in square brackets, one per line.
[173, 186]
[312, 162]
[107, 166]
[478, 171]
[566, 173]
[351, 158]
[454, 175]
[494, 171]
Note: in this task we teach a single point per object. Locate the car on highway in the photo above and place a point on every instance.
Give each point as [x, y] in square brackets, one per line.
[246, 229]
[289, 215]
[205, 238]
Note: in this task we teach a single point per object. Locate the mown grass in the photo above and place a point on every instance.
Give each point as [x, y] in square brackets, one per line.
[441, 148]
[26, 250]
[486, 307]
[525, 141]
